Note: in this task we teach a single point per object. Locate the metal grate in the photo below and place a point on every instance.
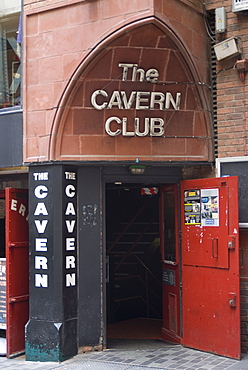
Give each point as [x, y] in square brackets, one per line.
[211, 22]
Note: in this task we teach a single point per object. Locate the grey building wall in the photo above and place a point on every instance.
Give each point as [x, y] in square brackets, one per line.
[11, 139]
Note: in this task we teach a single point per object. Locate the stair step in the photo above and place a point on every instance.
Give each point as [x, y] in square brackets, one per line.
[131, 243]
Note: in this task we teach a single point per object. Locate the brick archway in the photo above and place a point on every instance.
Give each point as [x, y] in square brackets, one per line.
[79, 131]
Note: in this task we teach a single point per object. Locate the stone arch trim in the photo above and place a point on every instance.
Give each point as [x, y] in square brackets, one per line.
[78, 76]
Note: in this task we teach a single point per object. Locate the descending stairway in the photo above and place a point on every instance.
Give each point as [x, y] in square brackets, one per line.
[134, 288]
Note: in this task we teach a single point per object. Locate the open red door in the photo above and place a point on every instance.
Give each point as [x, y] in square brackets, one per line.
[169, 244]
[17, 268]
[210, 266]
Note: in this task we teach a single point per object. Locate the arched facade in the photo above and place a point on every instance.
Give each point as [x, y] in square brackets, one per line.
[177, 99]
[131, 87]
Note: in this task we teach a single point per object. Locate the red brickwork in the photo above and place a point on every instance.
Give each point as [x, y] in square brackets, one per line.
[231, 89]
[186, 134]
[61, 35]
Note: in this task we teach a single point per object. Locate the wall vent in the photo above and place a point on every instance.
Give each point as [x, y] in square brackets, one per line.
[211, 22]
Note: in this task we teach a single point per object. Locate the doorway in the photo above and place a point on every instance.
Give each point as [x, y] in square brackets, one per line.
[134, 270]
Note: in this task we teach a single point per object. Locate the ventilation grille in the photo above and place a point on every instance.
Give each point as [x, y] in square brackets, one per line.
[211, 21]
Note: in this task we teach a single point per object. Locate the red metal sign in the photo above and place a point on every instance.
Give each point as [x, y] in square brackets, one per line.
[17, 268]
[210, 266]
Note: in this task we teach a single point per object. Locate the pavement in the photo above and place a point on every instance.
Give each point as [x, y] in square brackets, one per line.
[134, 355]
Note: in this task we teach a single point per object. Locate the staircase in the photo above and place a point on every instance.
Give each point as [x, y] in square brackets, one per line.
[134, 268]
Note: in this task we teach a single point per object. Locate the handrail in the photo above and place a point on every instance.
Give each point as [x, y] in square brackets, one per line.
[147, 269]
[136, 297]
[126, 228]
[134, 245]
[145, 296]
[145, 284]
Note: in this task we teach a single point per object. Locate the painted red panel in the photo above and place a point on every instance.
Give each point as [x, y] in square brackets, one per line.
[170, 262]
[210, 273]
[17, 268]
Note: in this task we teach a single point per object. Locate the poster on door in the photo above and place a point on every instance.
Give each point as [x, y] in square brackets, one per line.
[210, 207]
[192, 207]
[201, 207]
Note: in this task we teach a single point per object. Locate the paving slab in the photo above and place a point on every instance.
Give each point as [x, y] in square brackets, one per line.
[160, 357]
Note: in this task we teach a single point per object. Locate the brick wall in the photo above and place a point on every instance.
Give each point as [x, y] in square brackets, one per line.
[231, 90]
[61, 34]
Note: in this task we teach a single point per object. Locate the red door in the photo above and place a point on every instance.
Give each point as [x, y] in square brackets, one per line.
[170, 262]
[210, 266]
[17, 268]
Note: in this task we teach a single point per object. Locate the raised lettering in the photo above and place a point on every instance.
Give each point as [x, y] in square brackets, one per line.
[152, 75]
[170, 100]
[22, 209]
[157, 127]
[124, 128]
[137, 71]
[107, 126]
[157, 98]
[94, 102]
[125, 67]
[128, 102]
[137, 127]
[142, 98]
[115, 101]
[13, 205]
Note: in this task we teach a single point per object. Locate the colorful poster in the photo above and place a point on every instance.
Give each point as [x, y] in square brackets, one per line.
[192, 207]
[201, 207]
[210, 207]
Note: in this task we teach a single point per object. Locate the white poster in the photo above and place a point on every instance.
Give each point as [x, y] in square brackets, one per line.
[210, 207]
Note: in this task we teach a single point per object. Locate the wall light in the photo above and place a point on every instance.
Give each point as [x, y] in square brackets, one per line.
[137, 169]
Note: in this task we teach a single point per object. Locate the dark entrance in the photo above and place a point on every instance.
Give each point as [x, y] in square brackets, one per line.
[134, 271]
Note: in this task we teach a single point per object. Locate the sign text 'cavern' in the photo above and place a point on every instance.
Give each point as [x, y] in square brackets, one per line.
[135, 100]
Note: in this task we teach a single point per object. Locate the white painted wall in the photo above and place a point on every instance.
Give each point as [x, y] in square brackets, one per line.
[9, 7]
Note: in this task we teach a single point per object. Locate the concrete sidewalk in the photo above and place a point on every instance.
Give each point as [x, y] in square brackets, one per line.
[133, 356]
